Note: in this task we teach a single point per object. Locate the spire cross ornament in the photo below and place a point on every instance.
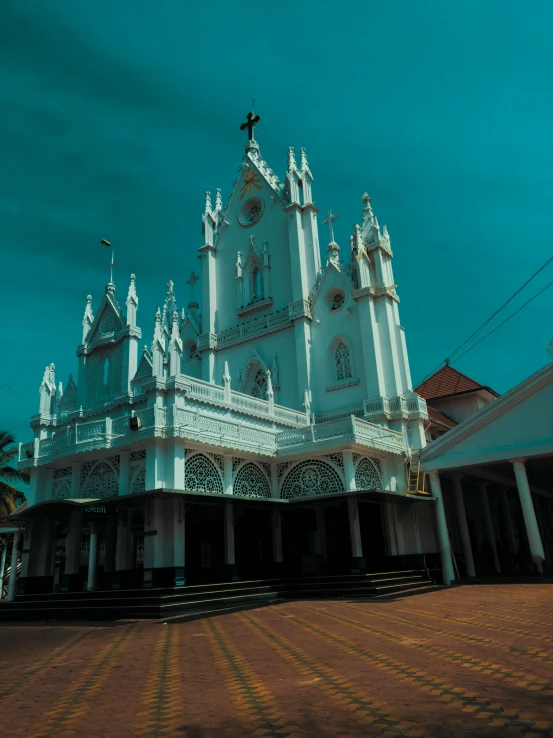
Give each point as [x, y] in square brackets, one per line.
[112, 263]
[331, 218]
[192, 281]
[251, 121]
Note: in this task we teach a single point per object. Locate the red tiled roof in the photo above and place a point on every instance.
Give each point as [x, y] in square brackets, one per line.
[435, 416]
[448, 381]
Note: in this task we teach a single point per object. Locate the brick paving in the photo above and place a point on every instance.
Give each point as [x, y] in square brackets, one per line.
[473, 660]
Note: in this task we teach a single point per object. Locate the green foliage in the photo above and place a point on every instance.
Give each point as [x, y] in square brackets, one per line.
[10, 496]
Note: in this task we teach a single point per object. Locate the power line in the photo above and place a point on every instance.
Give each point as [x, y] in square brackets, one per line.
[547, 286]
[15, 393]
[485, 323]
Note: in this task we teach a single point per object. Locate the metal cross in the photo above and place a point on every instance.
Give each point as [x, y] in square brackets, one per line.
[112, 263]
[250, 124]
[331, 218]
[192, 281]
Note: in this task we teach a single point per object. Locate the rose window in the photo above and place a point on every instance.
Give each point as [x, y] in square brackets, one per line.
[251, 211]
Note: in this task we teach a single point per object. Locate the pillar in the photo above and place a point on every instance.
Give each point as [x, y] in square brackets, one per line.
[179, 544]
[529, 514]
[228, 490]
[358, 564]
[349, 469]
[3, 568]
[511, 536]
[463, 527]
[488, 522]
[13, 570]
[276, 521]
[230, 560]
[70, 580]
[92, 557]
[441, 525]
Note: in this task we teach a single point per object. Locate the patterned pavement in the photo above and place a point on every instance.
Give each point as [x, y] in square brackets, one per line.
[468, 661]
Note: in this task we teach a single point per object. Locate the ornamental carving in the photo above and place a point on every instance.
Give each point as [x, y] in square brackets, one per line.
[62, 489]
[311, 478]
[367, 476]
[251, 482]
[202, 475]
[102, 481]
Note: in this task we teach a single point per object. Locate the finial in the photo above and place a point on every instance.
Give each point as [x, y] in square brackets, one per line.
[329, 221]
[158, 315]
[207, 203]
[291, 159]
[170, 285]
[110, 287]
[304, 164]
[132, 290]
[218, 199]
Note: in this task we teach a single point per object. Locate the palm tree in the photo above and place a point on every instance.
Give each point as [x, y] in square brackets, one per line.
[10, 496]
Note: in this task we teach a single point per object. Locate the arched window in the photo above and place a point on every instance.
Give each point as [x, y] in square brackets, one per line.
[259, 386]
[343, 362]
[256, 284]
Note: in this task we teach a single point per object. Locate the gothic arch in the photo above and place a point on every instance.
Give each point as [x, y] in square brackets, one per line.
[340, 364]
[367, 475]
[250, 481]
[101, 481]
[201, 473]
[311, 478]
[251, 369]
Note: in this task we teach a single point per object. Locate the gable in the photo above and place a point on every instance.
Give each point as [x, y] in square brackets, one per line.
[108, 321]
[516, 425]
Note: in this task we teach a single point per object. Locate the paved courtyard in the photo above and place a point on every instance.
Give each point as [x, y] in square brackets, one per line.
[475, 660]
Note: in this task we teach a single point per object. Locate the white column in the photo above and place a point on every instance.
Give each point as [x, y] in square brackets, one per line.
[179, 549]
[441, 524]
[354, 529]
[123, 548]
[349, 469]
[92, 557]
[124, 473]
[228, 474]
[529, 514]
[463, 527]
[277, 537]
[73, 543]
[3, 567]
[320, 537]
[513, 543]
[275, 492]
[13, 570]
[228, 513]
[488, 522]
[175, 462]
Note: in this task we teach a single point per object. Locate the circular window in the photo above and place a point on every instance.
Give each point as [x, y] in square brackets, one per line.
[335, 299]
[251, 211]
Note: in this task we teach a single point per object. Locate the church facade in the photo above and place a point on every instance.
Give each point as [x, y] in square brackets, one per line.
[268, 428]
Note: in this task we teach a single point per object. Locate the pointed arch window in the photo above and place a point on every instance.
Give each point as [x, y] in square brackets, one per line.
[343, 362]
[259, 385]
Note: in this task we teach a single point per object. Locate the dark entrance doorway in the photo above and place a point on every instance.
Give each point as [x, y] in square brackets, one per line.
[338, 540]
[372, 534]
[253, 543]
[204, 544]
[297, 525]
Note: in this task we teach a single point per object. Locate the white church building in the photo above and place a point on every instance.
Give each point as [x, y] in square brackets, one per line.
[266, 429]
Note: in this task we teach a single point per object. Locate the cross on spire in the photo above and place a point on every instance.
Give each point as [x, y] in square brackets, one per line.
[192, 281]
[331, 218]
[251, 120]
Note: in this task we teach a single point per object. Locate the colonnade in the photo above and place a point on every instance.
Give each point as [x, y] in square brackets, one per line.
[528, 506]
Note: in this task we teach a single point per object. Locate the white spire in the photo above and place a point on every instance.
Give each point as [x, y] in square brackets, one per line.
[226, 384]
[291, 160]
[48, 391]
[132, 302]
[371, 229]
[88, 317]
[218, 200]
[270, 393]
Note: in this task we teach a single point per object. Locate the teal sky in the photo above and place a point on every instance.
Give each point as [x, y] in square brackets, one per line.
[117, 116]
